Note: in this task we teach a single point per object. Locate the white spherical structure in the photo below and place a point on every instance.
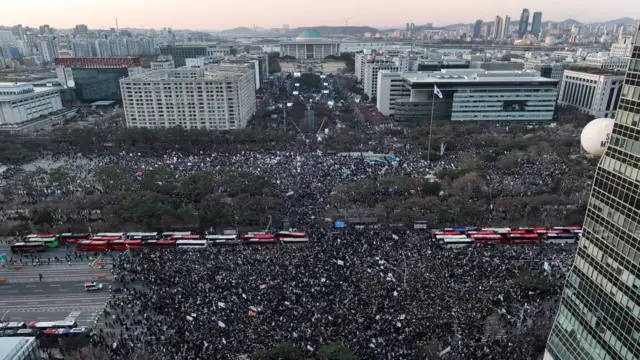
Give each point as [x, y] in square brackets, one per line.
[596, 135]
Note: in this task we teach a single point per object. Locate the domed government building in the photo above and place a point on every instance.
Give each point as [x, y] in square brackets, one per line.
[310, 45]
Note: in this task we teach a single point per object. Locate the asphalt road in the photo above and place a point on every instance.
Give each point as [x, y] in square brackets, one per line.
[59, 296]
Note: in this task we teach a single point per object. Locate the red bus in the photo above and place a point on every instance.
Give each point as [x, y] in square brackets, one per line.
[19, 248]
[518, 239]
[517, 232]
[117, 245]
[290, 235]
[92, 245]
[487, 238]
[133, 244]
[69, 238]
[260, 236]
[184, 237]
[165, 244]
[481, 232]
[123, 245]
[105, 238]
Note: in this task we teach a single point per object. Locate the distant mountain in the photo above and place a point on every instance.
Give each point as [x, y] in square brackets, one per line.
[243, 30]
[623, 21]
[334, 30]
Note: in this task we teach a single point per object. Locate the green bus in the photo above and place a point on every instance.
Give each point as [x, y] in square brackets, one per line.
[48, 242]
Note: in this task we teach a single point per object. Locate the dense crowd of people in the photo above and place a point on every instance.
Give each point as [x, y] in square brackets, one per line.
[383, 293]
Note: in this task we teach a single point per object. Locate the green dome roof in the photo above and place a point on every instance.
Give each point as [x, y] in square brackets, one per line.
[310, 34]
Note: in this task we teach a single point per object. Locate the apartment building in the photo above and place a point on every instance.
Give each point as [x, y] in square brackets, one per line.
[215, 97]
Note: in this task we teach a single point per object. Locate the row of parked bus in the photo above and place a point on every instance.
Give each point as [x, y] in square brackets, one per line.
[461, 237]
[48, 333]
[168, 240]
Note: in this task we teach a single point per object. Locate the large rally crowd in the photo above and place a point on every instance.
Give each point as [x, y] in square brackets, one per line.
[385, 294]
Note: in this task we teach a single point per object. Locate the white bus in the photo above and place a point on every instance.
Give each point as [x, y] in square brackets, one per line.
[451, 237]
[12, 325]
[169, 234]
[497, 230]
[294, 240]
[457, 242]
[142, 236]
[53, 324]
[121, 234]
[191, 244]
[222, 239]
[564, 238]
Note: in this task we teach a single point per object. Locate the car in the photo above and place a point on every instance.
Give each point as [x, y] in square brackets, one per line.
[92, 285]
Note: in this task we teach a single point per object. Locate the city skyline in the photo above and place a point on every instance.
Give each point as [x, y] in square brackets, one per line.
[200, 15]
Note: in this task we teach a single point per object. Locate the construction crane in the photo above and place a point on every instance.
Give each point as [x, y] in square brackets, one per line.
[346, 21]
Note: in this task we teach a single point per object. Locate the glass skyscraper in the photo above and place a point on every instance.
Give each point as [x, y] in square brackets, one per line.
[599, 315]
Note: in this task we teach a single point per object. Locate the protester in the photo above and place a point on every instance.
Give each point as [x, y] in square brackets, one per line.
[384, 294]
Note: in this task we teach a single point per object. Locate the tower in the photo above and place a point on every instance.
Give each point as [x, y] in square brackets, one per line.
[523, 26]
[599, 314]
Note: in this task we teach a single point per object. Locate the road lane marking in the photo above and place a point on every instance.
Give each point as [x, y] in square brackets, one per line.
[55, 285]
[12, 291]
[7, 286]
[31, 286]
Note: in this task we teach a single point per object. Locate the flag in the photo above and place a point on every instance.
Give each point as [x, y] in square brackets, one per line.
[547, 267]
[437, 91]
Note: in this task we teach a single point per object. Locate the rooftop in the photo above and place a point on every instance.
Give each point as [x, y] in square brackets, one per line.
[32, 90]
[596, 71]
[468, 75]
[212, 72]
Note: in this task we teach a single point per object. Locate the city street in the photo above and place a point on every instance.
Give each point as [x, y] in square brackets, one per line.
[59, 296]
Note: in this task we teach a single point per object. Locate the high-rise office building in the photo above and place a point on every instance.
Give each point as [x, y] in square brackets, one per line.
[488, 30]
[498, 30]
[506, 23]
[181, 52]
[524, 22]
[536, 23]
[477, 29]
[599, 314]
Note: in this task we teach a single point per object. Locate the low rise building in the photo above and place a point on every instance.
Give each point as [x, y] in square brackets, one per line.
[214, 97]
[163, 63]
[23, 104]
[470, 95]
[592, 91]
[602, 61]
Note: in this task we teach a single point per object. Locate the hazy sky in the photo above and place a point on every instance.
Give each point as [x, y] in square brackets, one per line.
[216, 14]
